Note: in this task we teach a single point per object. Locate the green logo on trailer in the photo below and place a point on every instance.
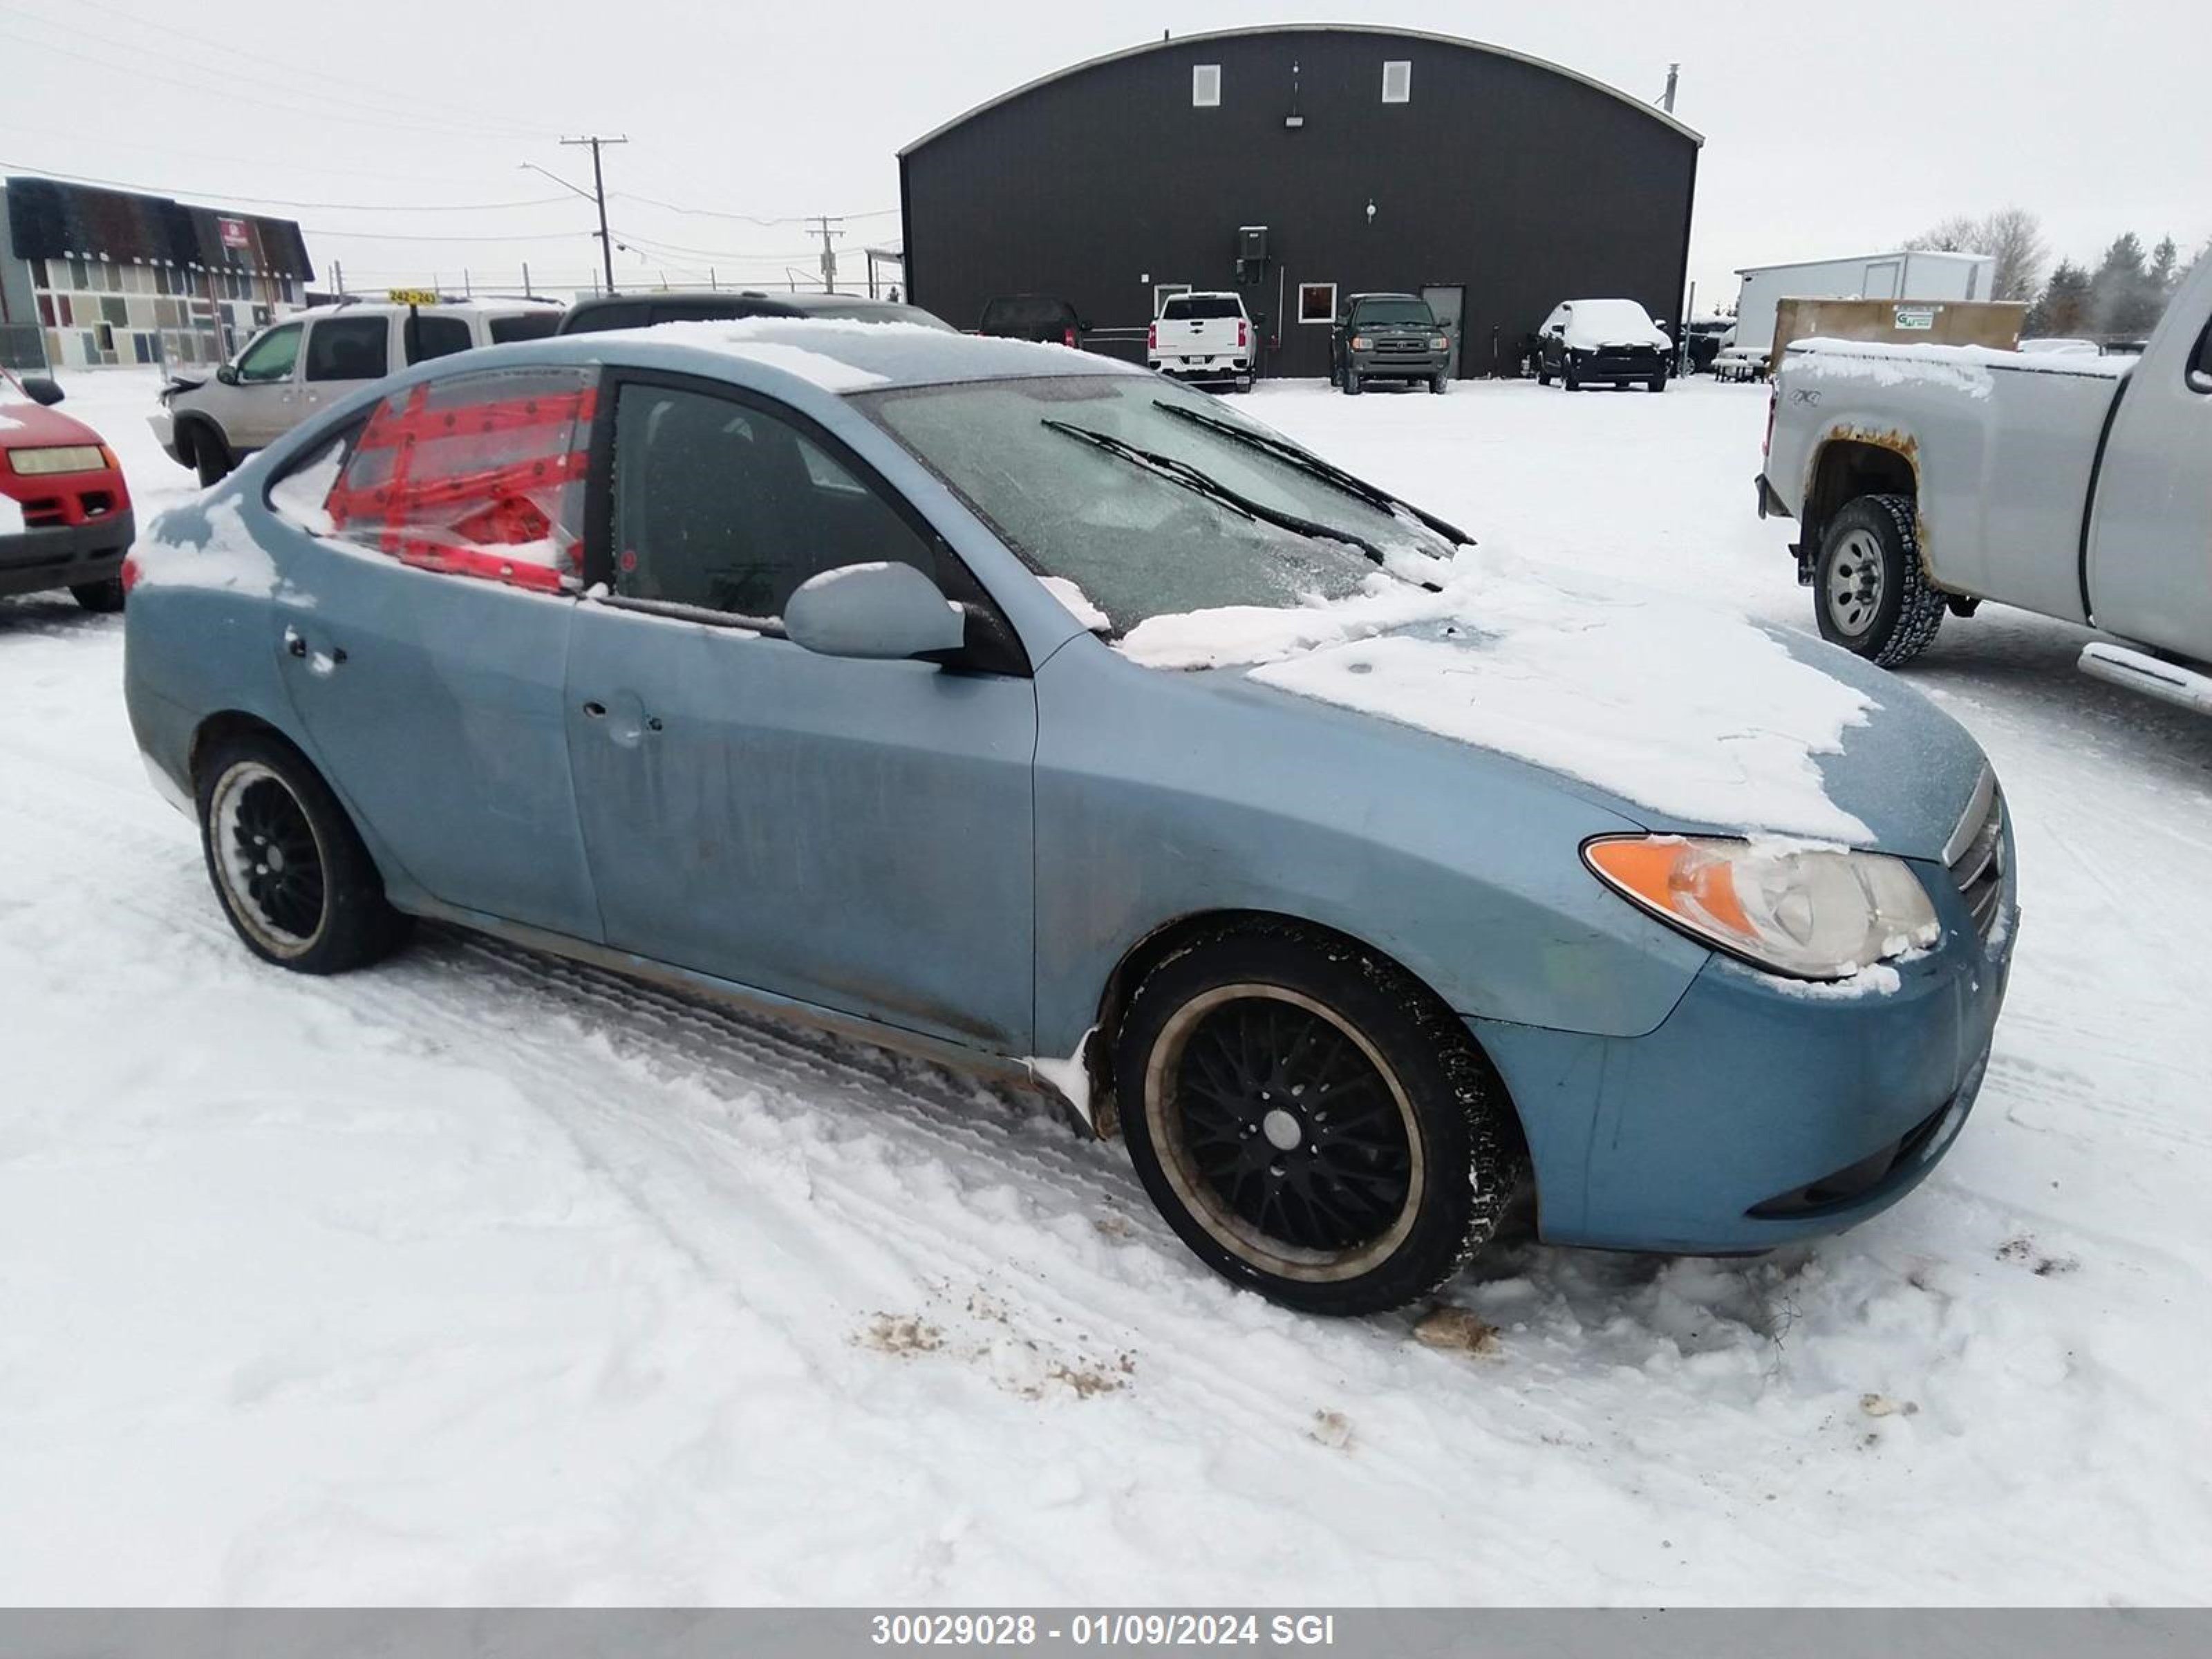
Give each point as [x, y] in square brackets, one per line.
[1917, 317]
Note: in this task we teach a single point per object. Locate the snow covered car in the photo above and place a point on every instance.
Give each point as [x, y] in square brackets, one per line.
[65, 518]
[1603, 343]
[1040, 715]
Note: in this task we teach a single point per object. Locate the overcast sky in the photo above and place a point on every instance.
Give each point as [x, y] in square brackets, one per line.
[1830, 130]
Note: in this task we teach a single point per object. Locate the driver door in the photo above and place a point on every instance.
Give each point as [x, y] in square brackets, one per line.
[261, 404]
[853, 835]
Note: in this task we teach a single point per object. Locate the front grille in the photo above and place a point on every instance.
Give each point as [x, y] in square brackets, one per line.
[1401, 348]
[44, 514]
[1976, 855]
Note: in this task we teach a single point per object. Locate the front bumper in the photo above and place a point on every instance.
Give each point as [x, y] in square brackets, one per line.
[1761, 1110]
[1400, 365]
[164, 428]
[65, 556]
[1622, 368]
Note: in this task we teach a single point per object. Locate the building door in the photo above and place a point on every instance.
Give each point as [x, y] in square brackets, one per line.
[1451, 305]
[1881, 279]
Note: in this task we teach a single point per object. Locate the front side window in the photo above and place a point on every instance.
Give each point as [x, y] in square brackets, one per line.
[271, 357]
[1317, 302]
[474, 475]
[725, 507]
[1153, 499]
[349, 348]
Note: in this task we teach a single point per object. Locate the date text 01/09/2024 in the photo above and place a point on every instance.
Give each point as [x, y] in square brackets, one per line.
[1124, 1629]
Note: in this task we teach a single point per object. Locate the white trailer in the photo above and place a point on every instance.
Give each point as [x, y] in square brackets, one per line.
[1906, 274]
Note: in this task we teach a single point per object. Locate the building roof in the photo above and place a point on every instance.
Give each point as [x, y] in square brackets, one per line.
[1178, 42]
[51, 219]
[1855, 258]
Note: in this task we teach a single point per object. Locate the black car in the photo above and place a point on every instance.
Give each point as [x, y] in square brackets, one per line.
[1032, 317]
[1388, 336]
[1604, 342]
[720, 305]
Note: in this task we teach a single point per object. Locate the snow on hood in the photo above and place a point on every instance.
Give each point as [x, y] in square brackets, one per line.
[1691, 711]
[1598, 323]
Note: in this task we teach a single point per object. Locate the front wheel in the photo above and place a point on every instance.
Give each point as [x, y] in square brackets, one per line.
[1440, 384]
[100, 597]
[1350, 381]
[211, 457]
[285, 860]
[1314, 1124]
[1870, 593]
[1569, 375]
[1658, 384]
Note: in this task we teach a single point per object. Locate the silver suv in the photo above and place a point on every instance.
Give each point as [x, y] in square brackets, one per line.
[318, 357]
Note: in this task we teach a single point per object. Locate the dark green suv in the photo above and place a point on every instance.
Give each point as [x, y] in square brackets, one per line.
[1388, 336]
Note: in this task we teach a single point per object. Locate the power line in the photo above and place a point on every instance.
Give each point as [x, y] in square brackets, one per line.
[381, 99]
[171, 150]
[226, 197]
[745, 218]
[317, 112]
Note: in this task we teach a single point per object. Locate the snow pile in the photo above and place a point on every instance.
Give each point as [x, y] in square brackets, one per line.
[1079, 602]
[300, 496]
[1955, 368]
[1598, 324]
[204, 547]
[1689, 708]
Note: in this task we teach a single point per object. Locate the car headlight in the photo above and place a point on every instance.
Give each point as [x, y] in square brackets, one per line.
[1359, 342]
[1812, 914]
[1439, 344]
[58, 458]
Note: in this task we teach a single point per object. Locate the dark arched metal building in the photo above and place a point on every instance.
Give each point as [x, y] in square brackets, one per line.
[1364, 159]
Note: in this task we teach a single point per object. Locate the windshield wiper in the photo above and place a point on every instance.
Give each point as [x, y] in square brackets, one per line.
[1183, 473]
[1313, 466]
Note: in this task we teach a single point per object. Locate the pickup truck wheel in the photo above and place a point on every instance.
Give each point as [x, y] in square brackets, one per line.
[1313, 1123]
[1870, 593]
[211, 457]
[1440, 384]
[1350, 381]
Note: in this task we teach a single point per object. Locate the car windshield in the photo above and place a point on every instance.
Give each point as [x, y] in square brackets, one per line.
[1414, 311]
[1153, 500]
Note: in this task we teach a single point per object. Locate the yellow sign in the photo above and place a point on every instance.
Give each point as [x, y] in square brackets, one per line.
[412, 297]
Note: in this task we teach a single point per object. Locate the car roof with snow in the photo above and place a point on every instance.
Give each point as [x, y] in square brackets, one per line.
[839, 356]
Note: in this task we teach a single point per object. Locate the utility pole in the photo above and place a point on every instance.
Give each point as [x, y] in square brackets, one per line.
[526, 294]
[599, 193]
[337, 270]
[1667, 101]
[829, 254]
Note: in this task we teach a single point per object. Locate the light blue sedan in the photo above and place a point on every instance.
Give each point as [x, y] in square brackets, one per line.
[1003, 703]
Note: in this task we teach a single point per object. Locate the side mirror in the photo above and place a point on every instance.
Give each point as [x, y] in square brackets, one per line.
[226, 373]
[41, 390]
[874, 611]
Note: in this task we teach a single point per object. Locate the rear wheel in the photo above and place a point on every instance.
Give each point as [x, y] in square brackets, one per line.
[1870, 593]
[99, 596]
[292, 874]
[1311, 1122]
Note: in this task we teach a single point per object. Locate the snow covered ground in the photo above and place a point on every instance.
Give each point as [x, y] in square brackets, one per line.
[484, 1279]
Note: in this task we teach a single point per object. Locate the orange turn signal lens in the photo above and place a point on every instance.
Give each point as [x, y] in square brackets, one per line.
[1676, 878]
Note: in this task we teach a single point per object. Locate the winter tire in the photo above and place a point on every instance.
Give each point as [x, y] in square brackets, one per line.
[1543, 375]
[1440, 384]
[1659, 383]
[285, 860]
[1870, 591]
[1569, 376]
[1313, 1123]
[1350, 381]
[101, 597]
[211, 457]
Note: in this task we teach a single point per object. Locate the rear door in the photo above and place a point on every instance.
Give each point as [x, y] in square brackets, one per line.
[424, 635]
[343, 354]
[856, 836]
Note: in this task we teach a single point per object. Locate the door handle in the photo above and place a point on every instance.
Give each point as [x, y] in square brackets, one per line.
[294, 645]
[595, 710]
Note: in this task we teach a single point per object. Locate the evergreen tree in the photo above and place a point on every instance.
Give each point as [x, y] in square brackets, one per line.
[2062, 310]
[2122, 301]
[2164, 267]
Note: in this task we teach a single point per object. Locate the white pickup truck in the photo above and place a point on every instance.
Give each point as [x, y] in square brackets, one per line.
[1203, 337]
[1926, 479]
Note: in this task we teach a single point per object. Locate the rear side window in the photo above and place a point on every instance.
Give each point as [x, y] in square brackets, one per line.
[476, 474]
[349, 348]
[1197, 307]
[529, 326]
[428, 336]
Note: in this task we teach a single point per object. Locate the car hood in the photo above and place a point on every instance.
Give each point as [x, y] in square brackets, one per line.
[29, 425]
[1674, 715]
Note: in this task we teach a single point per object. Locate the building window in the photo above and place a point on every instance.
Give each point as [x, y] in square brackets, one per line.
[1398, 82]
[1317, 302]
[1161, 290]
[1204, 85]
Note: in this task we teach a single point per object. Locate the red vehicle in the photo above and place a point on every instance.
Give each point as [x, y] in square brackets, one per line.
[65, 519]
